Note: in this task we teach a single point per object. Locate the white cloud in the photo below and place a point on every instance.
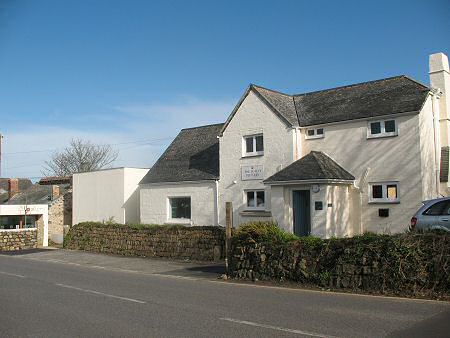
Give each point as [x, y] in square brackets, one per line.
[141, 134]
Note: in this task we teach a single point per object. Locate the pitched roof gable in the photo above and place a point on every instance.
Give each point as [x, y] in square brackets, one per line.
[398, 94]
[314, 166]
[192, 156]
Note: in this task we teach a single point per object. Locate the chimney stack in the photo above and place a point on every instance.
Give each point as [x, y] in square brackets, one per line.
[13, 187]
[55, 191]
[440, 80]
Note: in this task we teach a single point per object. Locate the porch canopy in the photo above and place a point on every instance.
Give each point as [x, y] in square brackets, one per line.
[316, 167]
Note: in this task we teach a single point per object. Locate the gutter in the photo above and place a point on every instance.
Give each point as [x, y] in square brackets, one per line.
[329, 181]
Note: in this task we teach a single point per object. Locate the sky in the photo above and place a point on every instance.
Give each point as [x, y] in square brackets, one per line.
[132, 73]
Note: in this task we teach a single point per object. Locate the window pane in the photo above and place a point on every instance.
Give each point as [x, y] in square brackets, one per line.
[260, 198]
[310, 132]
[249, 144]
[392, 191]
[181, 207]
[259, 143]
[389, 126]
[250, 198]
[320, 131]
[377, 191]
[437, 209]
[375, 128]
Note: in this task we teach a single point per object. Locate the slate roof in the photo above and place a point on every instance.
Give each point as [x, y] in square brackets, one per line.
[314, 166]
[444, 164]
[364, 100]
[281, 103]
[36, 194]
[387, 96]
[192, 156]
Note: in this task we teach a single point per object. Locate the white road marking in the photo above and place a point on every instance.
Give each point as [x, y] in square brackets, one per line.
[277, 328]
[11, 274]
[101, 293]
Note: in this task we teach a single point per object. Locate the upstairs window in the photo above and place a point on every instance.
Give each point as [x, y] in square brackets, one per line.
[255, 199]
[314, 133]
[384, 192]
[384, 128]
[253, 145]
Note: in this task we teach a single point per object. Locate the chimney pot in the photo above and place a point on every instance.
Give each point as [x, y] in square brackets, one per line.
[13, 187]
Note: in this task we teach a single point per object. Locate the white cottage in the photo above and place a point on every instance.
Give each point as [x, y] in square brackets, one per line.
[336, 162]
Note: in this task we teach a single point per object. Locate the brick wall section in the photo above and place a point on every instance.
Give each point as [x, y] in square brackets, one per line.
[18, 240]
[194, 243]
[59, 214]
[401, 265]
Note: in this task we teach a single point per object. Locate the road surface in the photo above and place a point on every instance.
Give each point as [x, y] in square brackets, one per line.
[71, 294]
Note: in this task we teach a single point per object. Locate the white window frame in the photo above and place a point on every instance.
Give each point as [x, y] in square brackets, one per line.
[383, 132]
[316, 135]
[247, 207]
[169, 211]
[384, 198]
[254, 152]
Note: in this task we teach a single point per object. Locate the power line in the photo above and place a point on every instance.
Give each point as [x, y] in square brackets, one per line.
[99, 145]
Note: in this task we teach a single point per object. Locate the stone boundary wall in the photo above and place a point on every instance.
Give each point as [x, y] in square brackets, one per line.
[11, 240]
[175, 242]
[401, 265]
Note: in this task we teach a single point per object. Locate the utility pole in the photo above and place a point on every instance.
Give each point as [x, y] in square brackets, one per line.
[1, 140]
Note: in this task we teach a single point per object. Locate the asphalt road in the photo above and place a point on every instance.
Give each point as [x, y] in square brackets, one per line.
[85, 295]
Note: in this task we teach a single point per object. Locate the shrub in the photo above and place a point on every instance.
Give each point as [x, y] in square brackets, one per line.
[263, 232]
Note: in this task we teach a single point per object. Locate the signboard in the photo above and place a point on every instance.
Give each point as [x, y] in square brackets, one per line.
[252, 172]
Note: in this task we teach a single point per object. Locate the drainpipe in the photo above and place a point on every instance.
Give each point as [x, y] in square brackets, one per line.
[217, 202]
[436, 126]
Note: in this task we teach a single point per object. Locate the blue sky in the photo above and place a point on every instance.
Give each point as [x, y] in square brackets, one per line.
[132, 73]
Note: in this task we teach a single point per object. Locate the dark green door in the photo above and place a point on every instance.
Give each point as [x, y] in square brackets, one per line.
[301, 207]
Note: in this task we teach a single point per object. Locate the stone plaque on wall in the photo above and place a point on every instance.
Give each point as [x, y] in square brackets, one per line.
[252, 172]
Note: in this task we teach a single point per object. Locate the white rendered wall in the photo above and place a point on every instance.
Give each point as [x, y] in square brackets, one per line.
[132, 177]
[396, 158]
[100, 195]
[154, 202]
[252, 117]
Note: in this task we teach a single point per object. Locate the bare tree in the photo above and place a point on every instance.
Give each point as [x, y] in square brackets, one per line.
[79, 156]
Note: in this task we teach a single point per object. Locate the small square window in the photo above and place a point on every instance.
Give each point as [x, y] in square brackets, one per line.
[180, 207]
[386, 192]
[375, 128]
[313, 133]
[389, 126]
[256, 199]
[253, 145]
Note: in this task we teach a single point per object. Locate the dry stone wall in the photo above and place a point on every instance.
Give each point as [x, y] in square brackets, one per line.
[176, 242]
[11, 240]
[416, 265]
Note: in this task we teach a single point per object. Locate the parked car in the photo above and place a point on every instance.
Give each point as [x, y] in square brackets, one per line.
[433, 215]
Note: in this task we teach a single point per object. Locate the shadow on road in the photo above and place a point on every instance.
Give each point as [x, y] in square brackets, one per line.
[24, 252]
[206, 271]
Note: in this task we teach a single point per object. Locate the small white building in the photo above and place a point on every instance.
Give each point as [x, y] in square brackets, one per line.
[19, 217]
[108, 194]
[335, 162]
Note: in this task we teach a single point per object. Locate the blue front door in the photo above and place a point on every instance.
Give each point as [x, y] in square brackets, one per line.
[301, 207]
